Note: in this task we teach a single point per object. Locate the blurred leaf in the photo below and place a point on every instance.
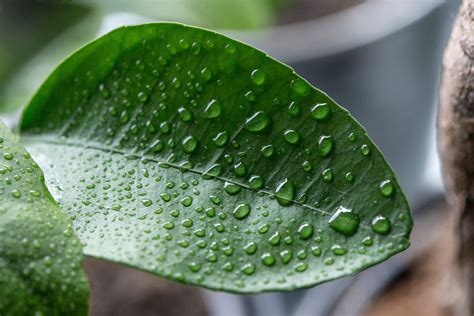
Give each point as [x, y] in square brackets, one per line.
[193, 156]
[18, 90]
[40, 257]
[222, 14]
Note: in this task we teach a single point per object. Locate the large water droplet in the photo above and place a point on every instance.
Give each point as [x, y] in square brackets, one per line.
[220, 140]
[189, 144]
[344, 221]
[299, 87]
[325, 145]
[306, 231]
[258, 122]
[320, 111]
[285, 192]
[291, 136]
[241, 210]
[212, 110]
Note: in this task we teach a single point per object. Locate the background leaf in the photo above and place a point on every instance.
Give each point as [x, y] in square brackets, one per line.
[193, 156]
[40, 257]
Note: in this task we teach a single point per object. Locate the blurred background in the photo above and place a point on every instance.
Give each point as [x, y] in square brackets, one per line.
[381, 59]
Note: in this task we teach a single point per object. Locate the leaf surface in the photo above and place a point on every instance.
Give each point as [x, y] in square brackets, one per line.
[196, 157]
[40, 257]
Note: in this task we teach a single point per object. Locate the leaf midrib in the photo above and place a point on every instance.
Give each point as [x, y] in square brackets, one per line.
[39, 139]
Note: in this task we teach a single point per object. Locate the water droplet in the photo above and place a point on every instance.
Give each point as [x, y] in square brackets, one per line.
[275, 239]
[306, 231]
[189, 144]
[268, 259]
[213, 109]
[352, 137]
[248, 268]
[250, 96]
[240, 169]
[147, 202]
[256, 182]
[241, 210]
[230, 48]
[206, 74]
[386, 188]
[231, 188]
[258, 77]
[291, 136]
[8, 156]
[349, 177]
[365, 150]
[381, 224]
[338, 250]
[250, 248]
[185, 114]
[301, 267]
[294, 109]
[328, 175]
[367, 241]
[267, 150]
[15, 193]
[194, 266]
[344, 221]
[187, 223]
[325, 145]
[213, 171]
[307, 166]
[258, 122]
[285, 192]
[299, 87]
[320, 111]
[187, 201]
[142, 96]
[286, 256]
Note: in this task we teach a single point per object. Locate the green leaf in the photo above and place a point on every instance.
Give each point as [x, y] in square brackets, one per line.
[40, 257]
[196, 157]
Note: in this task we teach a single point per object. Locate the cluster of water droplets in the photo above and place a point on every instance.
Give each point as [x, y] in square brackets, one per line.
[218, 150]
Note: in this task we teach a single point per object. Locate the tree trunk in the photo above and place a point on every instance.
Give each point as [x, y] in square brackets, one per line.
[456, 147]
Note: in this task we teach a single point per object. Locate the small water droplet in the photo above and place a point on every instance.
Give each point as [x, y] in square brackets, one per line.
[299, 87]
[386, 188]
[365, 150]
[291, 136]
[231, 188]
[327, 175]
[267, 150]
[268, 259]
[248, 268]
[258, 77]
[250, 248]
[256, 182]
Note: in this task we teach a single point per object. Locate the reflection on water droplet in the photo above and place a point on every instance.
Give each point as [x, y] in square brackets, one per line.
[267, 150]
[268, 259]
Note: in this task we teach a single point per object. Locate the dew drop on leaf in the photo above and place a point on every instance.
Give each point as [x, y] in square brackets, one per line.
[344, 221]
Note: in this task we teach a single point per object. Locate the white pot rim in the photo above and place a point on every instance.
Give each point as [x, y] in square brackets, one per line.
[353, 27]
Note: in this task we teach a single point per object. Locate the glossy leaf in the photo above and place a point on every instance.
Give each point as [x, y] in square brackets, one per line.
[196, 157]
[40, 257]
